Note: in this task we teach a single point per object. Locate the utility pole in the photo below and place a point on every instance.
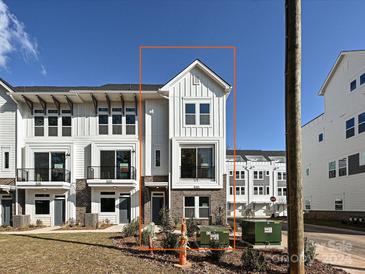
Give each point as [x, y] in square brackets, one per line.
[293, 45]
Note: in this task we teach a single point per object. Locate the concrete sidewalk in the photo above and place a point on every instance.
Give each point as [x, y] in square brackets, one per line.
[56, 229]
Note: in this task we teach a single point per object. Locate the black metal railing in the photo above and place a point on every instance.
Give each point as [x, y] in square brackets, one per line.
[111, 172]
[197, 172]
[43, 175]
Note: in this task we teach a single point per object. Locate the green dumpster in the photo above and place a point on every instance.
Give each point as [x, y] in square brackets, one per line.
[209, 234]
[261, 232]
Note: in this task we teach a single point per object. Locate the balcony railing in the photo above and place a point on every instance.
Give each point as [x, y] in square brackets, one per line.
[111, 172]
[43, 175]
[197, 172]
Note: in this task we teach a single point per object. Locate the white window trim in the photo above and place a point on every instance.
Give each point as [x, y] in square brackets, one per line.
[196, 207]
[3, 151]
[362, 158]
[259, 177]
[155, 157]
[43, 199]
[197, 103]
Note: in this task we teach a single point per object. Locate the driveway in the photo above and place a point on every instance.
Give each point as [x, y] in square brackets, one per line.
[340, 247]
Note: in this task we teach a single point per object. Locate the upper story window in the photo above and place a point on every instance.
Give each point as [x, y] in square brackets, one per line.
[332, 169]
[103, 121]
[361, 125]
[342, 167]
[204, 114]
[6, 164]
[353, 85]
[320, 137]
[350, 128]
[237, 174]
[38, 126]
[190, 114]
[258, 175]
[130, 121]
[157, 157]
[281, 176]
[197, 163]
[231, 173]
[362, 79]
[307, 171]
[66, 125]
[281, 191]
[117, 121]
[52, 126]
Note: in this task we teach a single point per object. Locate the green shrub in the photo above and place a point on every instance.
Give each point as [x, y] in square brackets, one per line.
[215, 254]
[309, 251]
[191, 227]
[253, 260]
[131, 229]
[170, 240]
[39, 223]
[167, 222]
[145, 235]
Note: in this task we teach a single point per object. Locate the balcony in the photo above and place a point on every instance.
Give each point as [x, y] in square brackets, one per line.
[197, 172]
[111, 176]
[43, 177]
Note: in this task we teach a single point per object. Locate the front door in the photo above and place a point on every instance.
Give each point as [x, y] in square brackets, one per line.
[124, 209]
[59, 211]
[158, 202]
[6, 217]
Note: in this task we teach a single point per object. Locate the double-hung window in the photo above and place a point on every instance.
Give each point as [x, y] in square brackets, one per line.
[332, 169]
[258, 175]
[258, 190]
[204, 114]
[196, 207]
[41, 204]
[197, 163]
[38, 126]
[107, 202]
[342, 167]
[190, 114]
[350, 128]
[237, 174]
[117, 121]
[52, 125]
[103, 121]
[281, 191]
[130, 118]
[66, 125]
[361, 125]
[242, 174]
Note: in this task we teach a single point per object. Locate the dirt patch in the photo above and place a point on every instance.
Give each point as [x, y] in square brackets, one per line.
[78, 227]
[27, 228]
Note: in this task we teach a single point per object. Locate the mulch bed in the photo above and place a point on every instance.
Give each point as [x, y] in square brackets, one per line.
[202, 263]
[27, 228]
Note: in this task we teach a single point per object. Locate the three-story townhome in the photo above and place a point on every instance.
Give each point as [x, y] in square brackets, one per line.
[67, 151]
[260, 180]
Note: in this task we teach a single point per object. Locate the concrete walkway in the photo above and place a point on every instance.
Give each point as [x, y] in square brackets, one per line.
[56, 229]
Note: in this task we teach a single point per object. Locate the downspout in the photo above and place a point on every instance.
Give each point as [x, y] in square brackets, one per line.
[16, 161]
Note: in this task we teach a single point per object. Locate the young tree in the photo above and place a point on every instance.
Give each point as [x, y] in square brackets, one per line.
[293, 135]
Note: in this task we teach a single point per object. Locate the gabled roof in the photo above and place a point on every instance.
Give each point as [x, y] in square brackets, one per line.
[197, 63]
[334, 68]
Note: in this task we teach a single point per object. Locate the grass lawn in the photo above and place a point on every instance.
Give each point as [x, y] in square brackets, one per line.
[70, 253]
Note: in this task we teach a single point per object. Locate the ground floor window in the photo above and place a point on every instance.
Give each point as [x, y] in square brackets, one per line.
[107, 204]
[338, 204]
[196, 207]
[41, 207]
[258, 190]
[307, 205]
[281, 191]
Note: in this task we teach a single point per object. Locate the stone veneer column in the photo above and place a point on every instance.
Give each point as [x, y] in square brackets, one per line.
[83, 200]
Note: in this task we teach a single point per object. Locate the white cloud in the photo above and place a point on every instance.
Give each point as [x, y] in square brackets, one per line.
[43, 70]
[13, 37]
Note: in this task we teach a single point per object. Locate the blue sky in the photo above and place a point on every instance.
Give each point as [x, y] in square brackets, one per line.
[93, 42]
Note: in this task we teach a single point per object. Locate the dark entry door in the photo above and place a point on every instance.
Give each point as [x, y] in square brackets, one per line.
[157, 205]
[59, 211]
[124, 210]
[6, 212]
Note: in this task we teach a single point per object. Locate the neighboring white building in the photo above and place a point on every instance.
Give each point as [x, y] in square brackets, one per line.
[334, 142]
[260, 175]
[67, 151]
